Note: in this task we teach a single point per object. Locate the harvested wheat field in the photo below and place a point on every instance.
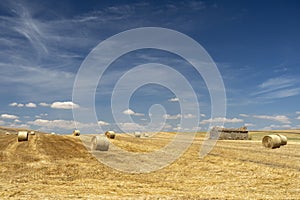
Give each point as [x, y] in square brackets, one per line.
[60, 167]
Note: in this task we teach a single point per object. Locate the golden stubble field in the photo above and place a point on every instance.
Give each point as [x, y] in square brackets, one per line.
[60, 167]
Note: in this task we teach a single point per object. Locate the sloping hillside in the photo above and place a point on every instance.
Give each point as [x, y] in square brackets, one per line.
[60, 167]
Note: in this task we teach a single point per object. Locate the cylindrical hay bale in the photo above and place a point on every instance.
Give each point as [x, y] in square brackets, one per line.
[22, 136]
[271, 141]
[146, 135]
[52, 133]
[137, 134]
[76, 132]
[110, 134]
[7, 133]
[283, 139]
[32, 133]
[99, 143]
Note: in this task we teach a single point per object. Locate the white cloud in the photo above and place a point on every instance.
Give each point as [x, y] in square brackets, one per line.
[167, 116]
[298, 117]
[15, 104]
[298, 112]
[131, 112]
[103, 123]
[178, 116]
[221, 119]
[44, 104]
[64, 105]
[178, 128]
[175, 99]
[2, 122]
[167, 126]
[62, 124]
[30, 105]
[130, 127]
[8, 116]
[202, 115]
[279, 118]
[244, 115]
[189, 116]
[249, 124]
[17, 121]
[273, 126]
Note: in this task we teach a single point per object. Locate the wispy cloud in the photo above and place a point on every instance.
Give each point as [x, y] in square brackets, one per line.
[178, 116]
[279, 87]
[243, 115]
[274, 126]
[131, 126]
[103, 123]
[249, 124]
[49, 125]
[279, 118]
[221, 119]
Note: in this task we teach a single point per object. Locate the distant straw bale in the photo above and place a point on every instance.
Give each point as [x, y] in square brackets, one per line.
[137, 134]
[76, 132]
[110, 134]
[99, 143]
[22, 136]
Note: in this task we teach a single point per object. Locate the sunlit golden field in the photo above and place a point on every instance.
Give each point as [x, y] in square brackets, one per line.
[60, 167]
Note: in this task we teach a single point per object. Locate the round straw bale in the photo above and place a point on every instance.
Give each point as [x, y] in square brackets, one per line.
[283, 139]
[146, 135]
[271, 141]
[110, 134]
[99, 143]
[53, 133]
[137, 134]
[32, 133]
[76, 132]
[7, 133]
[22, 136]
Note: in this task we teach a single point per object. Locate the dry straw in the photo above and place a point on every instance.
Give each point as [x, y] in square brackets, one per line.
[99, 143]
[271, 141]
[22, 136]
[110, 134]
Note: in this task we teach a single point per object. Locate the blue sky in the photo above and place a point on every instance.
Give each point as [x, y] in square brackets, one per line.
[255, 45]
